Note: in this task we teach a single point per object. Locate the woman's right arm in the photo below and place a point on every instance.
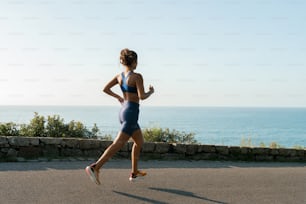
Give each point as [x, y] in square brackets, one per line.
[140, 88]
[109, 85]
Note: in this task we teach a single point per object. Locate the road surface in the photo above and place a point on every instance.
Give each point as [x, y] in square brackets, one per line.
[211, 182]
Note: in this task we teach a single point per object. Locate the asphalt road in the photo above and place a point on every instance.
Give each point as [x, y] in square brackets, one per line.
[167, 182]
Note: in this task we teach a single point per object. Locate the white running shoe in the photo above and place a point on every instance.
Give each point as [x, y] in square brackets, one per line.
[133, 176]
[93, 175]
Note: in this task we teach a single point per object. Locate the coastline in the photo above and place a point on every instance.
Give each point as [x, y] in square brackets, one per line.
[211, 125]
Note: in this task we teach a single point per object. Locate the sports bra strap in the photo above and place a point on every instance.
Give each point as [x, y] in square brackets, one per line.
[125, 77]
[124, 86]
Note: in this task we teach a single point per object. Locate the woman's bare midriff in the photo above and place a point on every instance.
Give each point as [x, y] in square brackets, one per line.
[133, 97]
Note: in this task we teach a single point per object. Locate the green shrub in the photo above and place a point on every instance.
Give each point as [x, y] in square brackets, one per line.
[170, 136]
[95, 131]
[9, 129]
[54, 126]
[36, 128]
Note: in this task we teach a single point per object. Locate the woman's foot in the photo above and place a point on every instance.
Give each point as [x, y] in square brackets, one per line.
[133, 176]
[93, 173]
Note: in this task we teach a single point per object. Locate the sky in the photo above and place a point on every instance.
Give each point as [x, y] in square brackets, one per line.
[237, 53]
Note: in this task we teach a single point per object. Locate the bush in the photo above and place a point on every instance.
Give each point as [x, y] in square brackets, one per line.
[169, 136]
[9, 129]
[36, 128]
[54, 126]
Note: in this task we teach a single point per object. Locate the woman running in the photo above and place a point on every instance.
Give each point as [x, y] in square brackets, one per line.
[131, 84]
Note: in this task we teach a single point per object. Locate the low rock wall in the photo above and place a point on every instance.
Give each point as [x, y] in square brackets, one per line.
[24, 148]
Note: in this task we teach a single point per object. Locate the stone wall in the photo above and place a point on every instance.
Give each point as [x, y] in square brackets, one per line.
[24, 148]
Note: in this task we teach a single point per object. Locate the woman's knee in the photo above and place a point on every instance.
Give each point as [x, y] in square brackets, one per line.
[138, 139]
[120, 140]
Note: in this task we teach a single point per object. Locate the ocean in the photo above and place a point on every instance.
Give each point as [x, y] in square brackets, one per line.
[211, 125]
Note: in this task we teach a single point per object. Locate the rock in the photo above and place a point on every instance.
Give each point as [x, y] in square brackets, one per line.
[33, 141]
[245, 150]
[172, 156]
[148, 147]
[264, 158]
[294, 159]
[292, 152]
[162, 147]
[122, 155]
[12, 153]
[127, 147]
[71, 142]
[3, 142]
[4, 150]
[67, 152]
[50, 150]
[30, 152]
[19, 141]
[245, 157]
[89, 144]
[300, 152]
[105, 144]
[274, 152]
[179, 148]
[92, 153]
[289, 159]
[51, 141]
[208, 148]
[284, 152]
[150, 156]
[223, 150]
[191, 149]
[234, 150]
[205, 156]
[260, 151]
[200, 148]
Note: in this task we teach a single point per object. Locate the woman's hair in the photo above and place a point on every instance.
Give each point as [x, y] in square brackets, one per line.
[128, 57]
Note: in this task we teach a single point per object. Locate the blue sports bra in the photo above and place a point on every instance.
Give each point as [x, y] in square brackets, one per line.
[124, 87]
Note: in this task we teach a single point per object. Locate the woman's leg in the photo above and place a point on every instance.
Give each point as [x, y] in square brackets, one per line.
[118, 143]
[138, 141]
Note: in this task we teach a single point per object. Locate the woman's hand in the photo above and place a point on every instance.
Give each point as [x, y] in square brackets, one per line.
[151, 89]
[120, 99]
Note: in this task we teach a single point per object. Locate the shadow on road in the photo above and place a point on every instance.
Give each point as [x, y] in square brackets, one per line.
[139, 198]
[185, 193]
[171, 191]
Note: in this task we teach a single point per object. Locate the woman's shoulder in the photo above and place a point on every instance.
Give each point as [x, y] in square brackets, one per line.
[138, 75]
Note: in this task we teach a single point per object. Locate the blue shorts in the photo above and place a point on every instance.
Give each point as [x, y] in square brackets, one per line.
[128, 117]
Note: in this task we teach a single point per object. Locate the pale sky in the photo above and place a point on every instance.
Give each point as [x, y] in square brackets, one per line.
[194, 53]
